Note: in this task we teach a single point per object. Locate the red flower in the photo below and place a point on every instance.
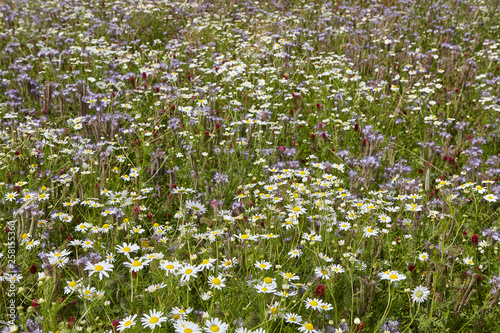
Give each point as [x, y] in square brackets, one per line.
[359, 327]
[411, 267]
[320, 290]
[474, 239]
[33, 269]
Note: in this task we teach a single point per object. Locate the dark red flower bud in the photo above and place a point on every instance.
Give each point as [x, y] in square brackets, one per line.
[474, 239]
[465, 233]
[33, 269]
[320, 290]
[313, 136]
[144, 75]
[70, 238]
[411, 267]
[359, 327]
[479, 278]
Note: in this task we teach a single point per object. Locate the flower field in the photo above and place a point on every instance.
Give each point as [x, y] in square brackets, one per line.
[249, 166]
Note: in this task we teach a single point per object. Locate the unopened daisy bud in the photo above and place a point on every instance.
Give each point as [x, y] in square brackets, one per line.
[357, 321]
[13, 328]
[394, 243]
[278, 266]
[286, 286]
[107, 303]
[205, 315]
[341, 242]
[303, 242]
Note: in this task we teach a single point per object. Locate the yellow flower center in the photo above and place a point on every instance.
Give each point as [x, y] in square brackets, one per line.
[188, 330]
[126, 249]
[153, 320]
[177, 316]
[72, 284]
[370, 230]
[127, 323]
[216, 281]
[98, 268]
[188, 271]
[393, 277]
[268, 280]
[296, 209]
[206, 261]
[214, 328]
[170, 266]
[314, 303]
[136, 263]
[309, 326]
[262, 265]
[245, 236]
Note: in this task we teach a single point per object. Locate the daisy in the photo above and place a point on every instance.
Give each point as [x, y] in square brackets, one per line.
[368, 231]
[154, 287]
[154, 319]
[110, 258]
[180, 313]
[196, 207]
[344, 226]
[215, 325]
[420, 294]
[136, 265]
[392, 276]
[11, 196]
[293, 318]
[490, 198]
[336, 269]
[468, 261]
[71, 286]
[289, 276]
[88, 244]
[126, 249]
[63, 253]
[307, 327]
[184, 326]
[246, 237]
[216, 282]
[263, 265]
[265, 288]
[325, 257]
[87, 292]
[207, 264]
[188, 271]
[326, 306]
[126, 323]
[228, 263]
[322, 272]
[424, 256]
[102, 268]
[170, 267]
[31, 244]
[295, 253]
[313, 303]
[274, 310]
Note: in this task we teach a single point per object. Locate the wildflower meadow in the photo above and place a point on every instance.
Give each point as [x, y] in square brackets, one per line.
[249, 166]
